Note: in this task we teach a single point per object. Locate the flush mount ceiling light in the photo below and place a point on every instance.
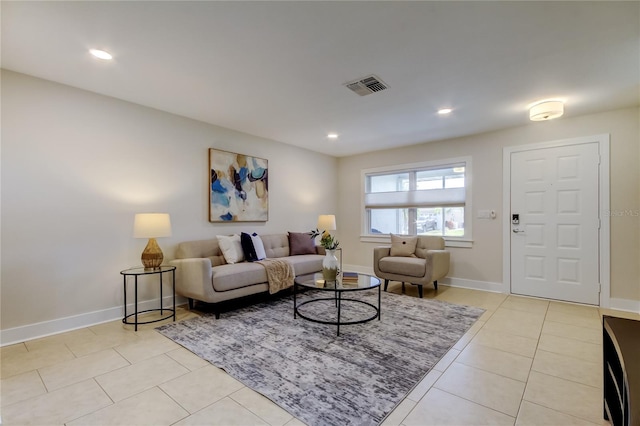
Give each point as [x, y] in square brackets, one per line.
[444, 111]
[332, 136]
[101, 54]
[546, 110]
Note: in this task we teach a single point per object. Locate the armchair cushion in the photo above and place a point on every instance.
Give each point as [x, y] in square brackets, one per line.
[411, 266]
[403, 245]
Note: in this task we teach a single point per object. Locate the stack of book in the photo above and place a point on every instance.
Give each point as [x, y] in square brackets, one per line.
[349, 277]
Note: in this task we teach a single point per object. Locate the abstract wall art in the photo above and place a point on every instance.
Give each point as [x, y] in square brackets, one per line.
[238, 187]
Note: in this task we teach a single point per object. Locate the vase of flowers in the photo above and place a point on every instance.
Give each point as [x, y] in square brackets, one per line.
[330, 262]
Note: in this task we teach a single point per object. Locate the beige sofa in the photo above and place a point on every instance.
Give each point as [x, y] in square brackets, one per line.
[203, 274]
[429, 263]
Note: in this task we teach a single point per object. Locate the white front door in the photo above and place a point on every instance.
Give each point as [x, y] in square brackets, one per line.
[554, 223]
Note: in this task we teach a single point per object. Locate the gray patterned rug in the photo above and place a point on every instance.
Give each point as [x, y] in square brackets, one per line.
[356, 378]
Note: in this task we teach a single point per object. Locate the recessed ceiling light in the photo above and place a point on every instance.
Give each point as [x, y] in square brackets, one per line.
[101, 54]
[332, 136]
[444, 111]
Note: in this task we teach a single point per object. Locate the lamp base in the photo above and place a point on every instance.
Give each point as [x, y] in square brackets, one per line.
[152, 256]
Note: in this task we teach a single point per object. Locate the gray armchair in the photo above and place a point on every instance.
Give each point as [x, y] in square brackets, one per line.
[430, 264]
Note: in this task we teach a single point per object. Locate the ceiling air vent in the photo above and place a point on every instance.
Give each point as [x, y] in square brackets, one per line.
[367, 85]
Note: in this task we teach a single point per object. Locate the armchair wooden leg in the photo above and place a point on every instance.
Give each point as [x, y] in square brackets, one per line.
[386, 284]
[403, 286]
[435, 284]
[420, 290]
[190, 301]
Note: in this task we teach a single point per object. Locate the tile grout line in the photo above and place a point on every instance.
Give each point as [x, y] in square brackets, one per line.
[533, 360]
[476, 403]
[173, 399]
[554, 409]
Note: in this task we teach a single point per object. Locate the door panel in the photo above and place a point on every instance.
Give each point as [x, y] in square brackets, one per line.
[554, 247]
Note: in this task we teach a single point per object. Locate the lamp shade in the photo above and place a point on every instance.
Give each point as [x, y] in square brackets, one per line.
[151, 225]
[327, 222]
[546, 110]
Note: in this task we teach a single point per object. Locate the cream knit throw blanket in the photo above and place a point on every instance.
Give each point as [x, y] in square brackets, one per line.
[279, 273]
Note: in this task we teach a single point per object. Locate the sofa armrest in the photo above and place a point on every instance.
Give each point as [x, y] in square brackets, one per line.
[193, 278]
[438, 263]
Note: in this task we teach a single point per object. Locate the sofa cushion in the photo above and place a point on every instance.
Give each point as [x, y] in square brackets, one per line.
[301, 243]
[306, 263]
[238, 275]
[411, 266]
[201, 248]
[275, 245]
[231, 248]
[403, 245]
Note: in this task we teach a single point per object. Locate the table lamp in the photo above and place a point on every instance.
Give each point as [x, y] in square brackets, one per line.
[152, 226]
[327, 222]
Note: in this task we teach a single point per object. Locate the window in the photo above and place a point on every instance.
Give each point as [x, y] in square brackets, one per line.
[419, 199]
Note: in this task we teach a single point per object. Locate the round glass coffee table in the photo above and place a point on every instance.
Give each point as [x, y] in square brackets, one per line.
[315, 281]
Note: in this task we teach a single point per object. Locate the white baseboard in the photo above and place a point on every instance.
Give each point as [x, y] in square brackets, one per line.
[47, 328]
[474, 284]
[626, 305]
[450, 281]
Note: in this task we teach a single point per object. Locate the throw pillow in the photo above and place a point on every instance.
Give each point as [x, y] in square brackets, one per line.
[231, 248]
[403, 245]
[258, 245]
[301, 243]
[248, 249]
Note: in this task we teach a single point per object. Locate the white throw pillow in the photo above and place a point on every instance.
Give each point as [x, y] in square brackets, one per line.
[231, 248]
[258, 246]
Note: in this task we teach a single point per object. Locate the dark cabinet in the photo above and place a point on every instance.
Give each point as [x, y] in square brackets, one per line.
[621, 363]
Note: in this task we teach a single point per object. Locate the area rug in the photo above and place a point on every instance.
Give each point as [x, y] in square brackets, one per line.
[356, 378]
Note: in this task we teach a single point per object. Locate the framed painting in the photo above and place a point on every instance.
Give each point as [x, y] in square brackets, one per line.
[238, 187]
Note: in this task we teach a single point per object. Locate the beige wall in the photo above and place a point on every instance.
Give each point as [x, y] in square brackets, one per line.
[483, 262]
[77, 166]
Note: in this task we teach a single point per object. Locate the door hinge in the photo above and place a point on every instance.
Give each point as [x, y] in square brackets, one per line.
[599, 288]
[599, 223]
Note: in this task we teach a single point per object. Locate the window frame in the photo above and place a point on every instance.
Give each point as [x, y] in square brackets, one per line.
[465, 241]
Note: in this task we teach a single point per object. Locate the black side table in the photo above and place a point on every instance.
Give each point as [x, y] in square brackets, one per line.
[135, 273]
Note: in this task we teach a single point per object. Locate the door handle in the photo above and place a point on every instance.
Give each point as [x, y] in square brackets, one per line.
[517, 231]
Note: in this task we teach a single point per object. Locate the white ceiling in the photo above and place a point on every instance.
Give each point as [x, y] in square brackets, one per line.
[277, 69]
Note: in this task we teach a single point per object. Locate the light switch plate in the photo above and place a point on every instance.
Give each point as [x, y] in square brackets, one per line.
[486, 214]
[483, 214]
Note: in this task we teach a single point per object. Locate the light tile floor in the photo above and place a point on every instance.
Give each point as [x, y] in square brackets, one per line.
[525, 362]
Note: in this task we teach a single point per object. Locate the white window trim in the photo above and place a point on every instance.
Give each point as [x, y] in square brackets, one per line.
[466, 241]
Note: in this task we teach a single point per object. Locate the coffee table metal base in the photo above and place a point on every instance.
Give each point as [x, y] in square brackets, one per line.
[338, 299]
